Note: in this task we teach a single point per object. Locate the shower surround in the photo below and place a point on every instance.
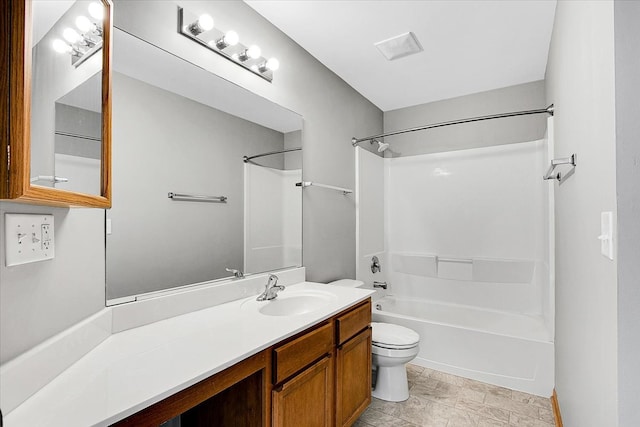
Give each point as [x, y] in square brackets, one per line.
[464, 243]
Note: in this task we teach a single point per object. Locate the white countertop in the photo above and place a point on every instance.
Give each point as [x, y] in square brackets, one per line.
[135, 368]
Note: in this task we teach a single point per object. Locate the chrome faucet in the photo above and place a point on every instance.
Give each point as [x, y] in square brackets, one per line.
[271, 289]
[375, 265]
[238, 274]
[382, 285]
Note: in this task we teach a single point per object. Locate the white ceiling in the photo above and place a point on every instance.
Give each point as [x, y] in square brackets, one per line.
[469, 45]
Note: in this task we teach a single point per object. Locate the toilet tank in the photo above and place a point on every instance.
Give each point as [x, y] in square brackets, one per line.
[348, 283]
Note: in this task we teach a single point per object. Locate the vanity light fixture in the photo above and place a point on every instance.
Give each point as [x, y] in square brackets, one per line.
[227, 44]
[81, 46]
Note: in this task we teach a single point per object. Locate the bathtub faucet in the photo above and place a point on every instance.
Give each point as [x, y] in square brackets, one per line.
[382, 285]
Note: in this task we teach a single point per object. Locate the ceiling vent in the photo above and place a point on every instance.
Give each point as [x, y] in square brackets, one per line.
[399, 46]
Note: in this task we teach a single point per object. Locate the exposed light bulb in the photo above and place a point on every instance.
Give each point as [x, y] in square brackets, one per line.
[71, 35]
[254, 51]
[96, 10]
[272, 64]
[60, 46]
[231, 38]
[255, 68]
[83, 24]
[205, 22]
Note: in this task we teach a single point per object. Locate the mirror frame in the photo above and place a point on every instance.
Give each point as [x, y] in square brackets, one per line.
[15, 115]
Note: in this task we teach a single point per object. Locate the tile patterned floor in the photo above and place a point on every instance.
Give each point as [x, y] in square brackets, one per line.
[437, 399]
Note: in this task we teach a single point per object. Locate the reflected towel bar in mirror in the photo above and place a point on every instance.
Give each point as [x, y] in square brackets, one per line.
[198, 198]
[303, 184]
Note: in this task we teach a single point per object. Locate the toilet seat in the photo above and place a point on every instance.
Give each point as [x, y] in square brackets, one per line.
[393, 337]
[393, 347]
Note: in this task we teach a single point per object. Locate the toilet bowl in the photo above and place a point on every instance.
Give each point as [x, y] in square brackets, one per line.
[393, 346]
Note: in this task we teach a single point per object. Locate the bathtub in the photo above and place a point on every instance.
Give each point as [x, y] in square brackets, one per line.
[502, 348]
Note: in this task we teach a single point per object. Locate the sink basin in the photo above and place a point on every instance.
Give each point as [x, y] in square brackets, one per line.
[292, 303]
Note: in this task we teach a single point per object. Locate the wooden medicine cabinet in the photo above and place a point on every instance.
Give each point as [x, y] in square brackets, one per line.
[56, 102]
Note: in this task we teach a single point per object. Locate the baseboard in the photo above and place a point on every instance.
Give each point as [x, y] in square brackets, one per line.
[556, 409]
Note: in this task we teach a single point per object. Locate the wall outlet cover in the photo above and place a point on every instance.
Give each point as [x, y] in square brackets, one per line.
[28, 238]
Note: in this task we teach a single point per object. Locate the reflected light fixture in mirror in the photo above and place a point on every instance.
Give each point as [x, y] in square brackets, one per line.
[84, 44]
[201, 29]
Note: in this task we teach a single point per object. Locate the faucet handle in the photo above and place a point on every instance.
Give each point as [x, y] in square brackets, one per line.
[236, 273]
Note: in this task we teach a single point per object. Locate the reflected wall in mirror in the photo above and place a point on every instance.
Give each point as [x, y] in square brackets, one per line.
[178, 128]
[66, 95]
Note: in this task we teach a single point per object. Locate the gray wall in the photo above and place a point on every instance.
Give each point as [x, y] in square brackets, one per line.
[164, 142]
[528, 96]
[580, 82]
[627, 38]
[42, 299]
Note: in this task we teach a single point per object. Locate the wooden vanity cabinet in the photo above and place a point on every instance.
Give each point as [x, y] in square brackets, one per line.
[337, 388]
[306, 399]
[353, 364]
[320, 377]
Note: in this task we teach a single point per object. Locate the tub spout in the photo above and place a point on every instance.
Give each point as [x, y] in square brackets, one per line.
[382, 285]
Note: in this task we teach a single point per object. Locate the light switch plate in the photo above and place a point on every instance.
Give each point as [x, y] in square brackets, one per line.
[606, 234]
[28, 238]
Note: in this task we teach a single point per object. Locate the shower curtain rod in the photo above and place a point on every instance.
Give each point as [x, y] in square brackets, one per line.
[247, 159]
[549, 110]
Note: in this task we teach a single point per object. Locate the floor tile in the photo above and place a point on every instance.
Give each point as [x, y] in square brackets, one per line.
[512, 406]
[473, 395]
[518, 420]
[438, 399]
[421, 412]
[487, 388]
[447, 378]
[531, 399]
[378, 419]
[488, 422]
[484, 410]
[442, 393]
[547, 416]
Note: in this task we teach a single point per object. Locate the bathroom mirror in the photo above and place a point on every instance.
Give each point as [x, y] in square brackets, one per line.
[181, 131]
[60, 91]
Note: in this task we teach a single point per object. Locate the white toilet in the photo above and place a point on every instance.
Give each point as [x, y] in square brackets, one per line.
[393, 346]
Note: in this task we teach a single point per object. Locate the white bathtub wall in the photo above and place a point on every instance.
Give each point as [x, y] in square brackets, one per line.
[458, 221]
[292, 217]
[273, 230]
[370, 232]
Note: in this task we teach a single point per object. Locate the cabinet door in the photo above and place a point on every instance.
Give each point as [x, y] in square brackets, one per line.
[56, 131]
[306, 399]
[353, 378]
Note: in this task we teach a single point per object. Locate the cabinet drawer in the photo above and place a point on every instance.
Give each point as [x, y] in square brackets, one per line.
[299, 353]
[349, 324]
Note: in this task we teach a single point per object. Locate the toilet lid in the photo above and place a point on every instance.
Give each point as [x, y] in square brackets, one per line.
[388, 335]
